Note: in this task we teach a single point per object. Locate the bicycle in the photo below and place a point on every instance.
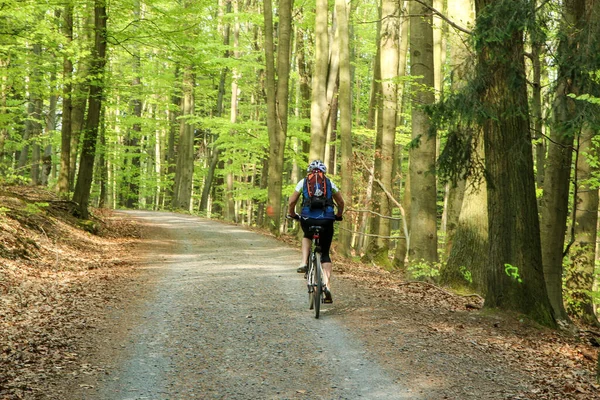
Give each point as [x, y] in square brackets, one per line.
[314, 271]
[314, 274]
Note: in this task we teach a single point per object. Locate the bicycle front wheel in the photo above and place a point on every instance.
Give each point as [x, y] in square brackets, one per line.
[318, 284]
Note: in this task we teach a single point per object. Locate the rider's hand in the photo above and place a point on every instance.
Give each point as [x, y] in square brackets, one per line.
[295, 216]
[339, 218]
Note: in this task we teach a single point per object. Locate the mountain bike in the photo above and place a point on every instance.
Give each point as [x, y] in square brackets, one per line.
[314, 273]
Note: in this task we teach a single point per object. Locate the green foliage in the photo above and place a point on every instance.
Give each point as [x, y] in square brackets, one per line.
[35, 208]
[512, 272]
[424, 270]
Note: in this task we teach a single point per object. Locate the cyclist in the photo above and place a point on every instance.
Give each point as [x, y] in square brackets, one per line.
[324, 217]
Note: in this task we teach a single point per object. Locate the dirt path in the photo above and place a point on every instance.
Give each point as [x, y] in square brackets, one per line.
[220, 313]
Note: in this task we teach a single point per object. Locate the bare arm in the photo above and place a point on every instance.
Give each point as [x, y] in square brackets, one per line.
[292, 203]
[339, 202]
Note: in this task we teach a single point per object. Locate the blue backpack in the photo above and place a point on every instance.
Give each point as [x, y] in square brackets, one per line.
[317, 193]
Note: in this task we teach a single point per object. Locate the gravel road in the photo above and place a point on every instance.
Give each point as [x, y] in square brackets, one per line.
[225, 316]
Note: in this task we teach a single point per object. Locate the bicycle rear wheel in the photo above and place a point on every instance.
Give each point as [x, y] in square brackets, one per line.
[310, 280]
[318, 286]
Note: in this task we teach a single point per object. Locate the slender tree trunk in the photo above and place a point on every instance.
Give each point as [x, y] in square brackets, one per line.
[423, 228]
[36, 124]
[389, 47]
[79, 96]
[65, 134]
[463, 13]
[229, 194]
[515, 280]
[376, 81]
[83, 186]
[171, 160]
[555, 203]
[580, 275]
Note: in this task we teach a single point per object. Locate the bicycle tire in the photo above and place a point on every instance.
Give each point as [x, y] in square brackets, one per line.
[318, 284]
[310, 278]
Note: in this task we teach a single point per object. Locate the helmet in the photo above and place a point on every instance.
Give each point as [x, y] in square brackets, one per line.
[317, 164]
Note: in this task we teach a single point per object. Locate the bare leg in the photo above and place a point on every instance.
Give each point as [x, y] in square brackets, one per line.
[327, 267]
[306, 243]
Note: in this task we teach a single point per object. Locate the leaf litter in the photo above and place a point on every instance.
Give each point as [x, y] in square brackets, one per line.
[57, 282]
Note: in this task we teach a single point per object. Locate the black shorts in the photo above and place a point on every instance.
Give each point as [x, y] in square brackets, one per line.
[326, 236]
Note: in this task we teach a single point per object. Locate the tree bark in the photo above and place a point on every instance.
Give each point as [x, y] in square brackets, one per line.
[277, 98]
[515, 280]
[319, 109]
[423, 228]
[579, 278]
[389, 46]
[65, 134]
[555, 202]
[184, 169]
[345, 106]
[83, 186]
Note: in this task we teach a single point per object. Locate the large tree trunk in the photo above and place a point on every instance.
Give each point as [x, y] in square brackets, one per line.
[423, 228]
[319, 109]
[345, 105]
[184, 169]
[277, 98]
[83, 186]
[555, 203]
[515, 280]
[468, 258]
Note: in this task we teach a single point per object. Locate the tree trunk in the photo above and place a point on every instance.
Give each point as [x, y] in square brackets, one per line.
[463, 13]
[277, 98]
[79, 97]
[423, 228]
[515, 280]
[65, 134]
[468, 259]
[376, 81]
[83, 186]
[184, 169]
[319, 109]
[389, 45]
[555, 202]
[229, 193]
[580, 275]
[345, 105]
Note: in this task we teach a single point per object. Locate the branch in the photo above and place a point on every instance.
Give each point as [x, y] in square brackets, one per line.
[442, 16]
[370, 234]
[389, 195]
[373, 212]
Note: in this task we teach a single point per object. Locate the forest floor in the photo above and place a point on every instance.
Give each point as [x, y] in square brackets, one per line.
[61, 285]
